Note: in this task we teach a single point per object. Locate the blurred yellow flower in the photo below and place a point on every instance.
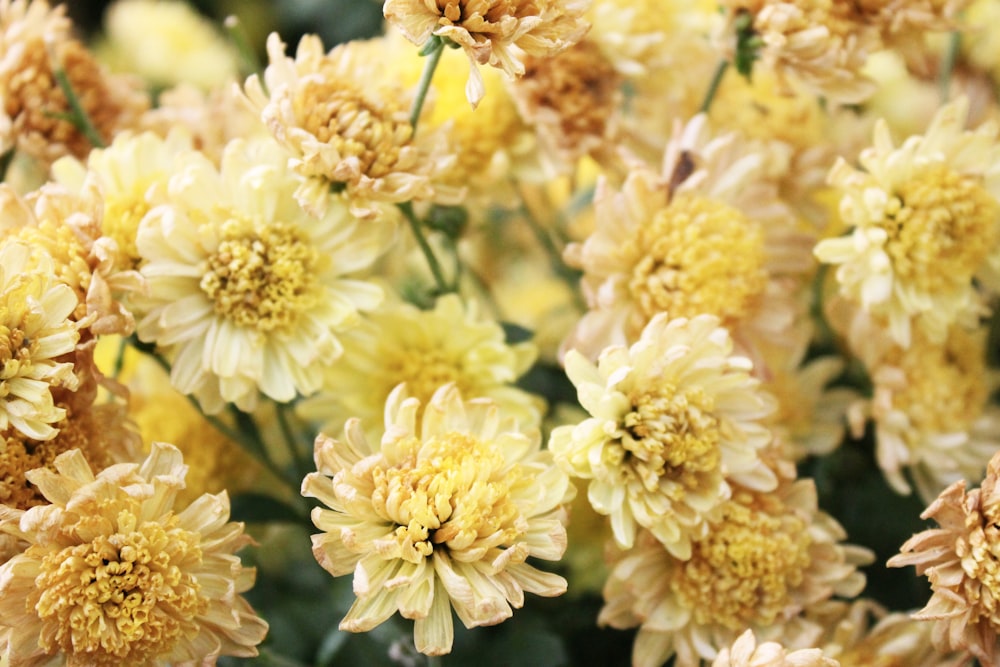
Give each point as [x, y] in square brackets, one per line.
[438, 516]
[114, 575]
[674, 419]
[426, 349]
[746, 652]
[166, 43]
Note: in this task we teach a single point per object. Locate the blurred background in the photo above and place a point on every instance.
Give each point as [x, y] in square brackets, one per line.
[334, 20]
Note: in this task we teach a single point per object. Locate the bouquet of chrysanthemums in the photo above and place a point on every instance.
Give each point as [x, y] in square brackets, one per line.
[519, 332]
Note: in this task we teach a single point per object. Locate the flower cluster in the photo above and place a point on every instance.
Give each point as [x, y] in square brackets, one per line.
[636, 327]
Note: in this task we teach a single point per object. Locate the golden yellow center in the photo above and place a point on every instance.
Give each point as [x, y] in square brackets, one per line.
[979, 553]
[670, 433]
[941, 225]
[78, 430]
[945, 388]
[453, 491]
[122, 598]
[360, 127]
[122, 214]
[423, 371]
[697, 256]
[262, 279]
[16, 352]
[744, 571]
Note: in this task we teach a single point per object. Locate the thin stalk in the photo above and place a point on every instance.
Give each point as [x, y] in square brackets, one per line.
[247, 437]
[433, 50]
[5, 160]
[78, 116]
[570, 276]
[948, 61]
[238, 36]
[291, 442]
[713, 86]
[425, 247]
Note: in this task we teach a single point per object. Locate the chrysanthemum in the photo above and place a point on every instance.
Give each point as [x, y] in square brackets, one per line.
[426, 349]
[245, 290]
[492, 32]
[114, 575]
[440, 516]
[572, 99]
[821, 44]
[35, 37]
[347, 128]
[35, 330]
[932, 412]
[65, 228]
[768, 558]
[746, 652]
[925, 225]
[674, 419]
[960, 560]
[131, 177]
[709, 235]
[167, 43]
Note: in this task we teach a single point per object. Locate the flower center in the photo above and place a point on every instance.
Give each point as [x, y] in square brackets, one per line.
[263, 279]
[121, 221]
[945, 388]
[16, 351]
[669, 434]
[80, 430]
[357, 126]
[423, 371]
[471, 14]
[941, 225]
[452, 491]
[697, 256]
[123, 597]
[579, 86]
[743, 571]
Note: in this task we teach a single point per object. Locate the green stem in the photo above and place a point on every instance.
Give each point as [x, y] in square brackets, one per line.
[713, 86]
[78, 116]
[434, 661]
[425, 247]
[948, 61]
[291, 442]
[234, 28]
[433, 50]
[120, 357]
[5, 160]
[570, 276]
[246, 434]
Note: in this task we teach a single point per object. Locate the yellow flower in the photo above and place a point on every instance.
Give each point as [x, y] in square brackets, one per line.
[35, 330]
[768, 558]
[131, 177]
[932, 411]
[113, 575]
[674, 420]
[746, 652]
[246, 290]
[65, 227]
[925, 224]
[709, 235]
[820, 44]
[426, 349]
[492, 32]
[438, 516]
[960, 560]
[348, 127]
[573, 99]
[167, 43]
[33, 38]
